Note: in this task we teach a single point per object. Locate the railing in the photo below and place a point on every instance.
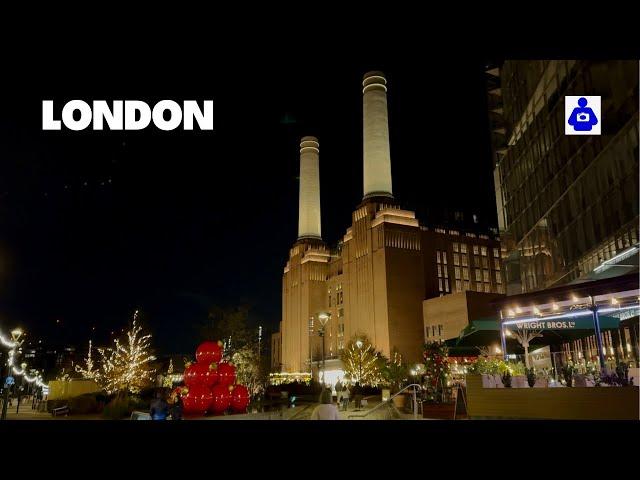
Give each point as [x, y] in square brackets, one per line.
[416, 388]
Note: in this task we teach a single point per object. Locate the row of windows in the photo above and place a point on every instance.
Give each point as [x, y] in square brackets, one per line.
[433, 331]
[339, 298]
[443, 273]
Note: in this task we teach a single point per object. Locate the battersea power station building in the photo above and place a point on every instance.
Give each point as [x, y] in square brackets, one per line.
[375, 280]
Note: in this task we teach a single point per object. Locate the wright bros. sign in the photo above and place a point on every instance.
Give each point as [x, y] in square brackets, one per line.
[584, 323]
[549, 325]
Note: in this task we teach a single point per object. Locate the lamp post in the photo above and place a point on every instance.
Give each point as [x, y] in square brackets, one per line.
[596, 326]
[324, 319]
[359, 345]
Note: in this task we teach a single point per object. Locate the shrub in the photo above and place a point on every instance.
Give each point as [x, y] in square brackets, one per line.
[83, 404]
[118, 408]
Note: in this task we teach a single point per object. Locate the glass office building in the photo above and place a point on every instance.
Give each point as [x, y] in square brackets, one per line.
[565, 203]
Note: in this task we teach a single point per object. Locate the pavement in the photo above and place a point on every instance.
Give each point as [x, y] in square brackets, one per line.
[28, 414]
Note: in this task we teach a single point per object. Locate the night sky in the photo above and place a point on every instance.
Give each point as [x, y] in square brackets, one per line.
[96, 224]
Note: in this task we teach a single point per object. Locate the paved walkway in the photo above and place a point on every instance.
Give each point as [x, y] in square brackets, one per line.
[28, 414]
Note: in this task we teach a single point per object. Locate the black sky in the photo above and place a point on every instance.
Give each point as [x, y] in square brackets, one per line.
[96, 224]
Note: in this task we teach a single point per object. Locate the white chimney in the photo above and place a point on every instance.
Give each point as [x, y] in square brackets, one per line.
[377, 159]
[309, 208]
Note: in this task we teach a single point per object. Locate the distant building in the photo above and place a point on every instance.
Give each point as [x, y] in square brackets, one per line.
[565, 203]
[374, 281]
[445, 317]
[276, 351]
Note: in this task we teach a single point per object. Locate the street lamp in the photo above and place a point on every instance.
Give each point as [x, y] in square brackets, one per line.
[16, 333]
[324, 319]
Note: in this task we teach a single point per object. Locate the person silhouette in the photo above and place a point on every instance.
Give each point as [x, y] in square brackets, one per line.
[582, 118]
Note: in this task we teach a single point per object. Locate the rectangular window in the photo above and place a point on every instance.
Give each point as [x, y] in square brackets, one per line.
[485, 275]
[498, 278]
[496, 253]
[458, 285]
[483, 250]
[467, 285]
[463, 248]
[485, 262]
[439, 270]
[446, 272]
[478, 275]
[457, 272]
[446, 285]
[440, 284]
[456, 247]
[444, 257]
[456, 259]
[475, 250]
[465, 273]
[438, 256]
[465, 260]
[487, 288]
[496, 263]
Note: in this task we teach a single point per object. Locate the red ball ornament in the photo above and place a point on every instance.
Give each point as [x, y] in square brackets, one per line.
[226, 373]
[221, 399]
[209, 352]
[197, 400]
[201, 374]
[239, 398]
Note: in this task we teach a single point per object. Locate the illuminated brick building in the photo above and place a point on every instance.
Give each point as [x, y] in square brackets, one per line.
[375, 279]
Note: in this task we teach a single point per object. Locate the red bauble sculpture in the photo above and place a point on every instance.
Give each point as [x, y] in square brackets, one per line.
[226, 373]
[239, 398]
[221, 399]
[197, 400]
[201, 374]
[209, 352]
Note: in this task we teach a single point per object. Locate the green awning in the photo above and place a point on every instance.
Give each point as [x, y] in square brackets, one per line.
[486, 331]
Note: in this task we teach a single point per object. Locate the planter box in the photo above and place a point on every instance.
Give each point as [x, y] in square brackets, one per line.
[438, 411]
[594, 403]
[400, 401]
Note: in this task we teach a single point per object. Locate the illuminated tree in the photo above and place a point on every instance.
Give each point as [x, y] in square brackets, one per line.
[361, 361]
[88, 371]
[249, 371]
[168, 378]
[126, 366]
[524, 336]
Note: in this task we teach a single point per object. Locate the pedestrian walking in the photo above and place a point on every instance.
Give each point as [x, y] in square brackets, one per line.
[177, 409]
[357, 395]
[159, 407]
[345, 397]
[326, 410]
[338, 391]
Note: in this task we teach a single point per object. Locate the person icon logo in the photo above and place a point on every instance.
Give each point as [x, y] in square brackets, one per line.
[583, 119]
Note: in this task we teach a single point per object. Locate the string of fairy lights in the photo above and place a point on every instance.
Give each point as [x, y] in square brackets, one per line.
[22, 369]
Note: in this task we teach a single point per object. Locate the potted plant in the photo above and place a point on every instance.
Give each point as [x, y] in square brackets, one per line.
[437, 398]
[531, 376]
[567, 373]
[506, 379]
[394, 375]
